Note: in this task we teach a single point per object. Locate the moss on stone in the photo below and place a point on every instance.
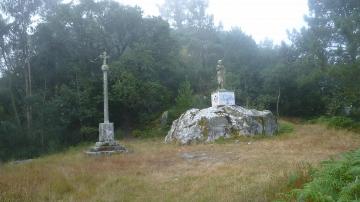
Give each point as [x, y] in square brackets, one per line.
[204, 127]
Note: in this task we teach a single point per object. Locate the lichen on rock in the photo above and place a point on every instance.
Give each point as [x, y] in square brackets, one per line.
[209, 124]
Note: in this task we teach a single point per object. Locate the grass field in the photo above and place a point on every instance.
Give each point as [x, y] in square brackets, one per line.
[247, 169]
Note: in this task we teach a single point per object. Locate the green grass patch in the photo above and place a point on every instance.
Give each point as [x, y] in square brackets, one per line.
[285, 128]
[222, 140]
[338, 122]
[149, 132]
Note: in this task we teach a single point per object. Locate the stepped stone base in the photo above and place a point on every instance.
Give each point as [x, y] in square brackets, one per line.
[106, 148]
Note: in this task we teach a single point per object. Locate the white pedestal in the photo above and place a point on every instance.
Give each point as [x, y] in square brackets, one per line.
[222, 97]
[106, 132]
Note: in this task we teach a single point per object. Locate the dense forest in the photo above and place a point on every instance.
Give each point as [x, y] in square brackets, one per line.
[51, 79]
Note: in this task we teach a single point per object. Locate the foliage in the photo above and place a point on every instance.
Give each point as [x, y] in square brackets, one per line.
[336, 180]
[184, 100]
[88, 132]
[187, 13]
[65, 103]
[339, 122]
[285, 128]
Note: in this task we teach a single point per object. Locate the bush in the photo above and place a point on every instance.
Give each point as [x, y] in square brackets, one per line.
[137, 133]
[285, 128]
[341, 122]
[338, 122]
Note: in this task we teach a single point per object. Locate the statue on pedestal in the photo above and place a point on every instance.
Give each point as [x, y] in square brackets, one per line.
[224, 119]
[222, 96]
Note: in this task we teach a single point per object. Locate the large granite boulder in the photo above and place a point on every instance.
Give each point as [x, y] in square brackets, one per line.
[209, 124]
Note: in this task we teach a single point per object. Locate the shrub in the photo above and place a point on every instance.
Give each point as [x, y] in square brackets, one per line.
[137, 133]
[336, 180]
[338, 122]
[285, 128]
[341, 122]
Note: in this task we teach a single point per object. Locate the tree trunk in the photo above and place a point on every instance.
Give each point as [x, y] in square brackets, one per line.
[29, 91]
[77, 88]
[27, 75]
[13, 103]
[247, 101]
[42, 114]
[27, 108]
[277, 102]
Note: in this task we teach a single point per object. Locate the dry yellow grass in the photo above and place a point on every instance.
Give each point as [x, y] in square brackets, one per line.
[153, 171]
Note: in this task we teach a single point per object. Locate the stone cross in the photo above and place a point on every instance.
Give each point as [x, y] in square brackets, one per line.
[106, 129]
[107, 144]
[105, 69]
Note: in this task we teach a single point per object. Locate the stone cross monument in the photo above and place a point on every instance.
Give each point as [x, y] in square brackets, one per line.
[106, 143]
[222, 96]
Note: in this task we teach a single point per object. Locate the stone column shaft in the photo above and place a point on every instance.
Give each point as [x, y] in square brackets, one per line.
[106, 100]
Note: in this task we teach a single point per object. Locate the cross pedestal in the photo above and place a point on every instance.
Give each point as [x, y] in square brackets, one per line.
[106, 132]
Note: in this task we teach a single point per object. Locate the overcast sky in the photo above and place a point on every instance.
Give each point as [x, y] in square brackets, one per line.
[259, 18]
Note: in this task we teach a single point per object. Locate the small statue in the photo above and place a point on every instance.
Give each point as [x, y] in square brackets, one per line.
[220, 70]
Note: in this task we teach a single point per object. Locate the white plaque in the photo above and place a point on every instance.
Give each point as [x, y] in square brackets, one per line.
[220, 98]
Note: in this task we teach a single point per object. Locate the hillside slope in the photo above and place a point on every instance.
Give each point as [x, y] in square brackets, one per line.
[246, 169]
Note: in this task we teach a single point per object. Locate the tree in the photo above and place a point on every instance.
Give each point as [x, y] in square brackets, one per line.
[187, 13]
[336, 24]
[184, 99]
[175, 12]
[19, 41]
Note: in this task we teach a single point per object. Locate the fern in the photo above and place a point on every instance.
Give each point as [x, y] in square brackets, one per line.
[336, 180]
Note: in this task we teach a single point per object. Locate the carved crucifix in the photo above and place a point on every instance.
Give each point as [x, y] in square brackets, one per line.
[104, 56]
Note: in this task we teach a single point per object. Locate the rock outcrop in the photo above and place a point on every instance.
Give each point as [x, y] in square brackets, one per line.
[209, 124]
